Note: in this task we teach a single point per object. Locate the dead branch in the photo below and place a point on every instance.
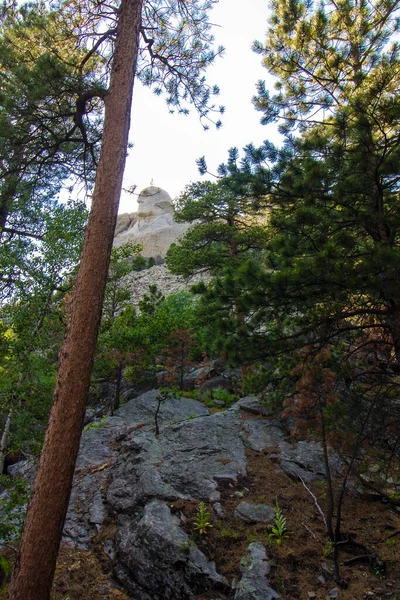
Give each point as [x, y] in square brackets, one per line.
[321, 512]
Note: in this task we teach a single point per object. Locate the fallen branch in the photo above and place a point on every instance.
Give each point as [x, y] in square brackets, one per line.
[321, 512]
[309, 531]
[357, 559]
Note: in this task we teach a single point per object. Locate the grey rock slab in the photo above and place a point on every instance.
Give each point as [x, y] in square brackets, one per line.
[97, 456]
[253, 405]
[99, 450]
[255, 568]
[259, 434]
[305, 459]
[25, 469]
[94, 448]
[158, 561]
[254, 513]
[219, 511]
[98, 511]
[185, 461]
[143, 408]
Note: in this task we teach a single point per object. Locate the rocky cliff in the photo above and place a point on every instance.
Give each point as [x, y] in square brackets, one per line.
[138, 282]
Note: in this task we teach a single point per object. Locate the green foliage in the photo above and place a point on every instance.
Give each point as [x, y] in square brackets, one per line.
[226, 240]
[33, 318]
[124, 259]
[28, 365]
[186, 546]
[6, 567]
[255, 381]
[224, 227]
[334, 251]
[279, 532]
[176, 358]
[273, 381]
[139, 263]
[180, 49]
[45, 141]
[214, 397]
[13, 507]
[227, 532]
[327, 550]
[202, 519]
[149, 302]
[95, 424]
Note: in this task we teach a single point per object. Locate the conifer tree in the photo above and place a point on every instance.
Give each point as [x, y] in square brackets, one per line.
[49, 115]
[334, 255]
[226, 240]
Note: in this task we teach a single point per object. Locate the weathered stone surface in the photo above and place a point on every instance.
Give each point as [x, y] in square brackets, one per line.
[254, 584]
[253, 405]
[87, 503]
[98, 454]
[185, 461]
[141, 410]
[152, 225]
[138, 282]
[25, 469]
[259, 434]
[304, 459]
[124, 221]
[155, 538]
[128, 474]
[254, 513]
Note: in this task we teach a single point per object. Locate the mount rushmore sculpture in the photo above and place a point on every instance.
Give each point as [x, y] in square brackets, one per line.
[152, 225]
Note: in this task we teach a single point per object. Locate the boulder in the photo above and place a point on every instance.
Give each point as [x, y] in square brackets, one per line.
[254, 513]
[155, 538]
[255, 568]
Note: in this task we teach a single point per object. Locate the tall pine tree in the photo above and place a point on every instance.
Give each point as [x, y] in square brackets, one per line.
[334, 257]
[42, 532]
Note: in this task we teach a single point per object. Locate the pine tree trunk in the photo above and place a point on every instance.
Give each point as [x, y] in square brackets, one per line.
[394, 326]
[7, 196]
[33, 574]
[4, 442]
[3, 218]
[117, 396]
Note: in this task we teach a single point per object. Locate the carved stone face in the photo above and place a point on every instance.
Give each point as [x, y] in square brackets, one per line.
[153, 202]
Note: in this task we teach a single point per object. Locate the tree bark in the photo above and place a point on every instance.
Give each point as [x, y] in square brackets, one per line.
[117, 396]
[33, 574]
[394, 326]
[4, 442]
[7, 196]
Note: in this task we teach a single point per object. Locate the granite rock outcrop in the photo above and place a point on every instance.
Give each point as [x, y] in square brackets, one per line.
[153, 224]
[130, 476]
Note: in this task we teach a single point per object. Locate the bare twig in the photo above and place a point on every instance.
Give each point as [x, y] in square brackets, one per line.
[309, 531]
[321, 512]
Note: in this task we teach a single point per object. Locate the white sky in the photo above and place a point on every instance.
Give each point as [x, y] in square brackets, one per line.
[166, 146]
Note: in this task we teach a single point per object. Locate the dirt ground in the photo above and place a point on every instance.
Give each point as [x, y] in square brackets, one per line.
[301, 566]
